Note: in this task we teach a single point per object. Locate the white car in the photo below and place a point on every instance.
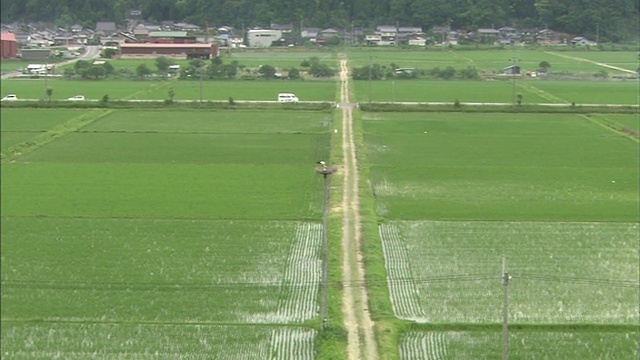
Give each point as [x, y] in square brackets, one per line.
[10, 97]
[76, 98]
[287, 97]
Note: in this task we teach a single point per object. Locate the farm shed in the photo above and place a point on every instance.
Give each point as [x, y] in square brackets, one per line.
[35, 54]
[512, 70]
[185, 51]
[8, 46]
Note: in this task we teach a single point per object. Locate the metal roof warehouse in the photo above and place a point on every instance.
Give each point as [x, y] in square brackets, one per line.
[188, 51]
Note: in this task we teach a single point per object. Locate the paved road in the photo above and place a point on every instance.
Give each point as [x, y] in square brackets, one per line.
[90, 52]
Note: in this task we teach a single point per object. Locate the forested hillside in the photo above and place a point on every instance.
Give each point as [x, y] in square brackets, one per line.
[613, 20]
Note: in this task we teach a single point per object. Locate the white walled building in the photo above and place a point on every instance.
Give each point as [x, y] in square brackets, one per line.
[263, 38]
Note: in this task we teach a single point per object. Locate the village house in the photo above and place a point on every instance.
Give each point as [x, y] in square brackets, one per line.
[486, 36]
[310, 34]
[392, 35]
[106, 28]
[582, 41]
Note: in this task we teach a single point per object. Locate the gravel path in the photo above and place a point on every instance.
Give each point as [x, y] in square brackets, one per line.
[358, 322]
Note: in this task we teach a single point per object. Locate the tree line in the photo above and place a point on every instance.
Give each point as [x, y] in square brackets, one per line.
[197, 69]
[609, 20]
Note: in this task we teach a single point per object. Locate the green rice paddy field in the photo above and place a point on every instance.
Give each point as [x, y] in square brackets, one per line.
[312, 90]
[172, 233]
[493, 61]
[552, 197]
[143, 228]
[530, 345]
[533, 91]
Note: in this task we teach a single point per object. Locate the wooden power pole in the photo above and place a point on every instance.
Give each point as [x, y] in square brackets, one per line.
[505, 310]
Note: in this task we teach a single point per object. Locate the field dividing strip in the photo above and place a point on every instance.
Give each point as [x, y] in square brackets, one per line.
[12, 153]
[100, 321]
[152, 88]
[610, 128]
[543, 94]
[575, 58]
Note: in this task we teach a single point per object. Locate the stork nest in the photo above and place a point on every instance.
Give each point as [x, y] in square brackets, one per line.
[325, 170]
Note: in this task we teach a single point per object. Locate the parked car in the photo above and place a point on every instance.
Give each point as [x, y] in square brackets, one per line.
[287, 97]
[76, 98]
[10, 97]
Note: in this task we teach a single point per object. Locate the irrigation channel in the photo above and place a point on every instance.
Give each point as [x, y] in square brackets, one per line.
[357, 320]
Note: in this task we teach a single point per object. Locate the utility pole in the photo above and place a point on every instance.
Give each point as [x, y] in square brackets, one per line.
[370, 65]
[505, 310]
[393, 90]
[200, 78]
[46, 77]
[514, 61]
[325, 172]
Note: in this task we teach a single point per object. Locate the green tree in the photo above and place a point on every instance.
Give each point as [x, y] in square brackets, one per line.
[216, 60]
[196, 63]
[321, 70]
[229, 71]
[602, 74]
[69, 73]
[470, 73]
[267, 71]
[108, 68]
[143, 71]
[617, 19]
[448, 73]
[544, 65]
[125, 73]
[109, 53]
[163, 63]
[80, 65]
[294, 74]
[96, 71]
[373, 72]
[49, 92]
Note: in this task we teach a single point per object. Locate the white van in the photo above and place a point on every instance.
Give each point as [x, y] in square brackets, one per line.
[287, 97]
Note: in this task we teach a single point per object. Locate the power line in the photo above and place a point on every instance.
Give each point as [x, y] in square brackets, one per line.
[576, 280]
[162, 286]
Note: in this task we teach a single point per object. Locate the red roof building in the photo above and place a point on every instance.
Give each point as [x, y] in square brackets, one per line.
[187, 51]
[8, 46]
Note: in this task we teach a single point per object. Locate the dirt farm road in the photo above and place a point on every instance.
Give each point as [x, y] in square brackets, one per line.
[361, 338]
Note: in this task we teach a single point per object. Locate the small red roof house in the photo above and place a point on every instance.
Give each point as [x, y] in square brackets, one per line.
[8, 46]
